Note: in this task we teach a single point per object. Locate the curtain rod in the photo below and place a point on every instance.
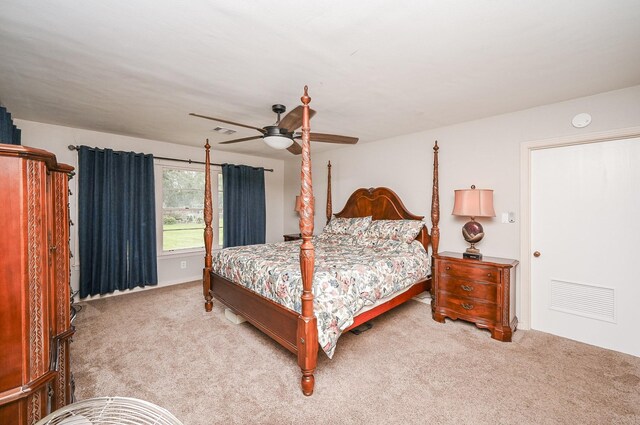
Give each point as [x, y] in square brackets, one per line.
[75, 148]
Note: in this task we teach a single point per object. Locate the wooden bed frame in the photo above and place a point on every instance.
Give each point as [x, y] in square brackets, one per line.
[298, 332]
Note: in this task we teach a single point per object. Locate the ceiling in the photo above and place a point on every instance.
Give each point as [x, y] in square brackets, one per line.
[375, 69]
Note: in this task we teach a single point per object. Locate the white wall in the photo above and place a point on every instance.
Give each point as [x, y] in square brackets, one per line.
[56, 139]
[485, 152]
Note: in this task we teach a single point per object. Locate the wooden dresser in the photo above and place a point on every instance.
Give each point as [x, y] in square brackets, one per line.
[35, 328]
[478, 291]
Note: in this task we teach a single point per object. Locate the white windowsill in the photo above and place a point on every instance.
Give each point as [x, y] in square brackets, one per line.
[184, 252]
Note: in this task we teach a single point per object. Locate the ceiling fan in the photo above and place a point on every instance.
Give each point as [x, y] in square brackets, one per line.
[282, 134]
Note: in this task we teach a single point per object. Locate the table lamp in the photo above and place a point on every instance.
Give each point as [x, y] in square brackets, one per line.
[473, 203]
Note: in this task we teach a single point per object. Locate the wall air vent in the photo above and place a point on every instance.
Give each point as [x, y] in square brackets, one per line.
[223, 130]
[596, 302]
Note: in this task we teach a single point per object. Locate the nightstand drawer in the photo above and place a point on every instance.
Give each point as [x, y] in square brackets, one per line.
[470, 272]
[467, 288]
[469, 307]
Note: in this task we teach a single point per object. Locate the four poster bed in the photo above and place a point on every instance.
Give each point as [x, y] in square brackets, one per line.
[373, 256]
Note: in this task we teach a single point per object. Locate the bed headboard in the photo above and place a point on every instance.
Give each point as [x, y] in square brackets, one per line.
[381, 203]
[384, 204]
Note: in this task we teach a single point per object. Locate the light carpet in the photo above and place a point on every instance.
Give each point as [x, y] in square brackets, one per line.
[161, 346]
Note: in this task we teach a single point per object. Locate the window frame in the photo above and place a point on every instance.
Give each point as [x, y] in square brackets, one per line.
[216, 175]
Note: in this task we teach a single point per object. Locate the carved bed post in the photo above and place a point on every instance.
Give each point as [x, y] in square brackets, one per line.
[208, 231]
[435, 203]
[307, 333]
[329, 206]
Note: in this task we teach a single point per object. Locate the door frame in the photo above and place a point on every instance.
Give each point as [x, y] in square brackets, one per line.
[524, 318]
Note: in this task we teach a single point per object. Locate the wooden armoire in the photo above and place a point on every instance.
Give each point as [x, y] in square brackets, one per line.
[35, 328]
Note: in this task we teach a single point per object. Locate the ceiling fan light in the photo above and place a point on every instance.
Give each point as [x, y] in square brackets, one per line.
[278, 142]
[277, 137]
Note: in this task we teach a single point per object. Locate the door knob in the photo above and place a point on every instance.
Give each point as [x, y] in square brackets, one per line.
[536, 254]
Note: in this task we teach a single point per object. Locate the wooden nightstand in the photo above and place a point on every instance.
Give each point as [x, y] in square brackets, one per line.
[292, 237]
[478, 291]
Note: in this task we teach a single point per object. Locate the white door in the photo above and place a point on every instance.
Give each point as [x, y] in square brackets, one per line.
[585, 223]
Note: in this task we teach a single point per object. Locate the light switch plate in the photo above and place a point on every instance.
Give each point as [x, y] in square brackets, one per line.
[508, 217]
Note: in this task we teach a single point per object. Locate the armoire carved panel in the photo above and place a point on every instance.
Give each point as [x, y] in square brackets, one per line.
[34, 278]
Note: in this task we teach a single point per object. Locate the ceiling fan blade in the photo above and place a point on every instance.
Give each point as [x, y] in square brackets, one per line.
[244, 139]
[261, 130]
[293, 120]
[295, 148]
[332, 138]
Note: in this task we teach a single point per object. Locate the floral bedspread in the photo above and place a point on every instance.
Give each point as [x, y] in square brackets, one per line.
[350, 273]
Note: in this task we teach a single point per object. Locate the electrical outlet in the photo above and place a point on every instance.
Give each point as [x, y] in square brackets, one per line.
[183, 264]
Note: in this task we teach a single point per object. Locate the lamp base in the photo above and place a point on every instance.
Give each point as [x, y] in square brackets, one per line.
[473, 233]
[472, 255]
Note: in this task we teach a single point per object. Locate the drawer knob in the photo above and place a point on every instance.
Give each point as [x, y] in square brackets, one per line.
[466, 288]
[447, 268]
[488, 274]
[467, 306]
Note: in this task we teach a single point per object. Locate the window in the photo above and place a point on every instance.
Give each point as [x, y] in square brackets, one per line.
[181, 208]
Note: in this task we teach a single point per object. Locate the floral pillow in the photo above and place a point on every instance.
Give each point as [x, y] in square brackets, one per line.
[390, 246]
[348, 226]
[336, 239]
[398, 230]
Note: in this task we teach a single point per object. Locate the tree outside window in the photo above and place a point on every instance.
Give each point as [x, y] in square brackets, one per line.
[183, 208]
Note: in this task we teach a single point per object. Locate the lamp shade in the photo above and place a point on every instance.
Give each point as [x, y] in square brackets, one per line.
[474, 203]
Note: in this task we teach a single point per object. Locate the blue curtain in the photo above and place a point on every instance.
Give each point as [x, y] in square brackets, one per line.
[244, 212]
[117, 221]
[9, 133]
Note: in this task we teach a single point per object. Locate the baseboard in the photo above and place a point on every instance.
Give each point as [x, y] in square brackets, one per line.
[76, 298]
